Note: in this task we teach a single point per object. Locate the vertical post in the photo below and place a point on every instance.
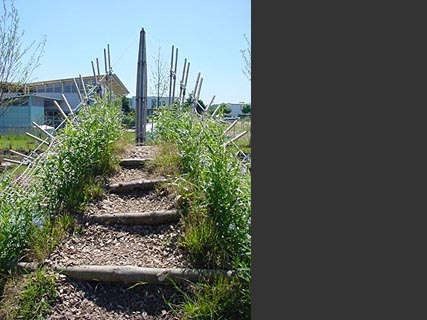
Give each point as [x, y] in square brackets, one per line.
[141, 91]
[170, 79]
[110, 70]
[97, 67]
[83, 85]
[181, 83]
[95, 79]
[174, 75]
[78, 90]
[185, 83]
[200, 88]
[195, 90]
[99, 77]
[105, 62]
[109, 59]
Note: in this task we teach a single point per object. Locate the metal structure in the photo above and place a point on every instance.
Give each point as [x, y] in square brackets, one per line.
[141, 92]
[36, 157]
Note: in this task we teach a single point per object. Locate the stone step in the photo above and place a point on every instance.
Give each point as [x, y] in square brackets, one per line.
[145, 184]
[133, 274]
[134, 162]
[137, 218]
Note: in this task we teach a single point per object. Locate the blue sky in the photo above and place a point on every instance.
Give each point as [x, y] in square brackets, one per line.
[209, 33]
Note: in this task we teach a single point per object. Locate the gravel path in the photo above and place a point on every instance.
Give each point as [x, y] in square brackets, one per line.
[142, 246]
[97, 244]
[141, 152]
[127, 175]
[93, 300]
[133, 202]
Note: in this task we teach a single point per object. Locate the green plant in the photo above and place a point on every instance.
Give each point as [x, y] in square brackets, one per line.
[207, 301]
[63, 181]
[84, 151]
[215, 191]
[38, 295]
[44, 240]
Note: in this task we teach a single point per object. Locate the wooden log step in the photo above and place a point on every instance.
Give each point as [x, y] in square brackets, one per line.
[135, 185]
[133, 274]
[134, 162]
[137, 218]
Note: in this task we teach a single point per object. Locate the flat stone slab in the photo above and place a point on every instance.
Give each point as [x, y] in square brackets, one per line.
[134, 162]
[137, 218]
[145, 184]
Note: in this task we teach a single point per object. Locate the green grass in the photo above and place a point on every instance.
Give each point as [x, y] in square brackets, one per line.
[212, 301]
[29, 296]
[215, 198]
[18, 142]
[44, 240]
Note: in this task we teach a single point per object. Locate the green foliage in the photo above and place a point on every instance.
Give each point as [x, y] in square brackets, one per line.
[225, 108]
[64, 182]
[215, 191]
[18, 209]
[44, 240]
[125, 104]
[246, 108]
[218, 300]
[37, 297]
[83, 152]
[129, 119]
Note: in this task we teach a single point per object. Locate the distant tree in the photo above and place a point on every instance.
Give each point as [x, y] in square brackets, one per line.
[125, 104]
[160, 76]
[225, 108]
[247, 53]
[246, 108]
[15, 69]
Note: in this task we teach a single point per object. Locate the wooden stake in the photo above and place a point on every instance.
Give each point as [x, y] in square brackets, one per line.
[83, 85]
[236, 137]
[170, 78]
[78, 90]
[61, 111]
[174, 75]
[97, 67]
[181, 86]
[36, 138]
[109, 60]
[68, 105]
[231, 126]
[105, 61]
[210, 103]
[43, 130]
[94, 74]
[21, 154]
[14, 161]
[133, 274]
[195, 89]
[200, 88]
[216, 110]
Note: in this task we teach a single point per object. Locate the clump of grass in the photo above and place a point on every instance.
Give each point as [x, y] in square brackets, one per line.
[85, 150]
[217, 300]
[18, 209]
[45, 239]
[29, 296]
[167, 162]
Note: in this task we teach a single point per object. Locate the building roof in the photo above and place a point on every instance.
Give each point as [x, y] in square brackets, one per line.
[116, 84]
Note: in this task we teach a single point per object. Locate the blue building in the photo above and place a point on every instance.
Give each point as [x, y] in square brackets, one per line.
[36, 101]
